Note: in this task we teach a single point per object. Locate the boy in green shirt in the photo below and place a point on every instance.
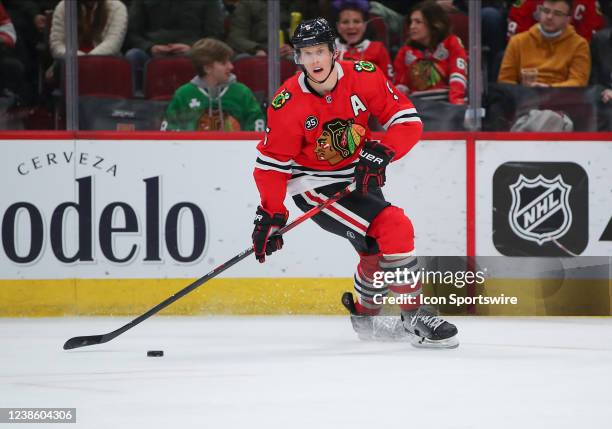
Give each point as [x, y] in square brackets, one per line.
[213, 100]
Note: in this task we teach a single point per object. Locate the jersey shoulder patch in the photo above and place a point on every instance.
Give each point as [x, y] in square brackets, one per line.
[364, 66]
[280, 99]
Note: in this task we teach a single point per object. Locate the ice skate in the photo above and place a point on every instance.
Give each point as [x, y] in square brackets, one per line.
[429, 330]
[375, 328]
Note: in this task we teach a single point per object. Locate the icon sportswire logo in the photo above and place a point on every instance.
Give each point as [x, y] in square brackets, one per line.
[540, 208]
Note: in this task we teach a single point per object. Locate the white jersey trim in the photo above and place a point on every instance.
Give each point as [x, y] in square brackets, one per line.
[408, 113]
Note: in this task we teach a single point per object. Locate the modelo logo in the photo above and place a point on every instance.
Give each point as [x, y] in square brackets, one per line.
[106, 233]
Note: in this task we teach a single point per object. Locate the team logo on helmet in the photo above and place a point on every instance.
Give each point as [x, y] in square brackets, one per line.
[540, 209]
[364, 66]
[339, 140]
[280, 99]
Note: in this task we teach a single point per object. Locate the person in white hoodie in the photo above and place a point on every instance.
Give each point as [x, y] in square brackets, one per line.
[102, 25]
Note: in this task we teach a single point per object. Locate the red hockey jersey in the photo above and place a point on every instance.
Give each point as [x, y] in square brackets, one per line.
[367, 50]
[313, 140]
[586, 17]
[522, 15]
[7, 30]
[441, 73]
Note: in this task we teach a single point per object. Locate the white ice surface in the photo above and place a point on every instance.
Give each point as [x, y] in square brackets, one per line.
[311, 372]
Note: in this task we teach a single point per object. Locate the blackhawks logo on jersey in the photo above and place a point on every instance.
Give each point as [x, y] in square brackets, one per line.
[217, 121]
[280, 99]
[424, 75]
[364, 66]
[339, 140]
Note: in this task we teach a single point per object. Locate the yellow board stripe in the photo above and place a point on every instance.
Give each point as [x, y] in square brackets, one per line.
[119, 297]
[267, 296]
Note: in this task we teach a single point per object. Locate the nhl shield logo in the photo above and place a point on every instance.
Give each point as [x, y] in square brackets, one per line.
[540, 208]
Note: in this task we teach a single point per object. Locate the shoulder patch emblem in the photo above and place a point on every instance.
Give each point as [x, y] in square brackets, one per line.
[311, 122]
[364, 66]
[280, 99]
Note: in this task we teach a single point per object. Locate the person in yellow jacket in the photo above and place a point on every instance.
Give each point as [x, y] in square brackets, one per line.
[550, 54]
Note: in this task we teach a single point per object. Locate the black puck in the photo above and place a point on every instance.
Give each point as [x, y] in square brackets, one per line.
[155, 353]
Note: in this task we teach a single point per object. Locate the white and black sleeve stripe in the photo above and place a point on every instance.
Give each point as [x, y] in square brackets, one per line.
[406, 115]
[266, 163]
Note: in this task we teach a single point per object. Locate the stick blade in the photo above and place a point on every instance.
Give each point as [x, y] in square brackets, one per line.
[76, 342]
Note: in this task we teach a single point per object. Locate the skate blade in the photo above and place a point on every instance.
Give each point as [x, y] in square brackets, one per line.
[424, 343]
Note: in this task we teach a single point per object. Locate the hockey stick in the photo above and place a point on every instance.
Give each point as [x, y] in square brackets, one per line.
[90, 340]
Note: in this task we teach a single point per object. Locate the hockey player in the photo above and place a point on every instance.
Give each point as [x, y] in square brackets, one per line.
[317, 142]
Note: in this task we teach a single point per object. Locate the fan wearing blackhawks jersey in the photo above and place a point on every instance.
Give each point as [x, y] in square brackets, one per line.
[317, 142]
[352, 44]
[433, 63]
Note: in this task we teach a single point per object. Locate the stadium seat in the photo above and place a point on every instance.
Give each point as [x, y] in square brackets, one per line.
[105, 76]
[164, 75]
[460, 27]
[378, 29]
[253, 72]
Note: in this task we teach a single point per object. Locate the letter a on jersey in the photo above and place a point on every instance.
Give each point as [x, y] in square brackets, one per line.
[357, 105]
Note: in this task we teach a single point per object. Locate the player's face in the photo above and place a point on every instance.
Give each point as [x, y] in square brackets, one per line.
[554, 16]
[351, 26]
[219, 71]
[317, 60]
[418, 28]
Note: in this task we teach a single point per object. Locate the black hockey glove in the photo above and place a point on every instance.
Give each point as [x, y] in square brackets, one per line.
[370, 171]
[265, 241]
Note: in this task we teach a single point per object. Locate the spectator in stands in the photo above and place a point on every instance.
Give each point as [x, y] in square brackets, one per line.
[601, 50]
[433, 63]
[37, 11]
[161, 28]
[212, 19]
[248, 33]
[12, 81]
[102, 25]
[559, 56]
[352, 43]
[586, 17]
[32, 21]
[213, 100]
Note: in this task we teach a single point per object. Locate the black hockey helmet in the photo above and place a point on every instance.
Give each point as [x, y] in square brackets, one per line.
[313, 32]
